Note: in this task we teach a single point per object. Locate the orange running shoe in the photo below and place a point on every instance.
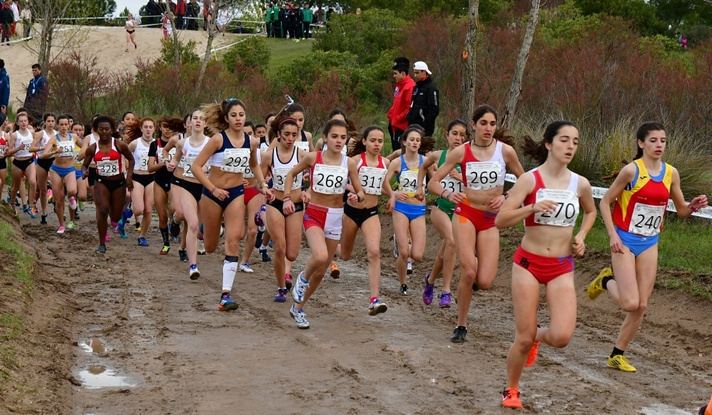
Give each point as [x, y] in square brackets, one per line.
[510, 398]
[335, 272]
[533, 352]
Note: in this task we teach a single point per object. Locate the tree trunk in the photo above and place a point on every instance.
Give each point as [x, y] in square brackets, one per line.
[467, 82]
[46, 35]
[515, 89]
[209, 46]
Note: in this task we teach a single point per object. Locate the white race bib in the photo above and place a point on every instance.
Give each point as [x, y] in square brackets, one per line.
[65, 148]
[329, 180]
[565, 213]
[409, 181]
[279, 176]
[248, 173]
[372, 179]
[27, 142]
[143, 161]
[235, 160]
[159, 154]
[646, 220]
[483, 175]
[187, 163]
[303, 145]
[107, 167]
[3, 149]
[451, 184]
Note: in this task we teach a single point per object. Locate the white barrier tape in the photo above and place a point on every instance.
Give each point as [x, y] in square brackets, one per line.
[598, 193]
[17, 40]
[234, 43]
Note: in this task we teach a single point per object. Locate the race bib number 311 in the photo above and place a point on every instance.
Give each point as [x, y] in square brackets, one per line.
[372, 179]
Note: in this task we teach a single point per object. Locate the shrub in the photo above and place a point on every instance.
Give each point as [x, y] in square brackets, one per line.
[251, 53]
[186, 51]
[81, 82]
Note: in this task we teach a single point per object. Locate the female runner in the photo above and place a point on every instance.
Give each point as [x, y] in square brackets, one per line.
[111, 184]
[483, 162]
[22, 163]
[323, 217]
[44, 163]
[441, 215]
[253, 200]
[640, 192]
[62, 171]
[547, 198]
[228, 153]
[372, 169]
[78, 134]
[140, 136]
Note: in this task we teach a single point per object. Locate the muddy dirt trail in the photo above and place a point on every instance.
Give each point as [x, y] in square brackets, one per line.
[129, 333]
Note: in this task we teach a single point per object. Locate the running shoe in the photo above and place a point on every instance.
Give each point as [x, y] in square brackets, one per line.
[107, 238]
[409, 267]
[142, 241]
[265, 255]
[201, 247]
[620, 362]
[193, 272]
[335, 272]
[35, 210]
[165, 249]
[376, 307]
[288, 281]
[428, 291]
[258, 238]
[76, 214]
[531, 357]
[43, 219]
[510, 398]
[395, 246]
[281, 295]
[299, 316]
[70, 225]
[122, 230]
[475, 287]
[60, 230]
[81, 206]
[226, 303]
[444, 300]
[403, 289]
[595, 288]
[175, 239]
[137, 226]
[245, 267]
[73, 202]
[101, 249]
[300, 288]
[175, 229]
[458, 336]
[183, 255]
[50, 197]
[222, 230]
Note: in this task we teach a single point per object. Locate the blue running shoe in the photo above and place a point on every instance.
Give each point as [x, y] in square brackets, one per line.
[226, 303]
[281, 295]
[122, 229]
[142, 241]
[428, 291]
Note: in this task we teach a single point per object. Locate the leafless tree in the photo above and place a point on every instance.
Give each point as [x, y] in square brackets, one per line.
[467, 83]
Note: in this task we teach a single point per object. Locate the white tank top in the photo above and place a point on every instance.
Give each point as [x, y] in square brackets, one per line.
[280, 170]
[140, 154]
[190, 153]
[43, 141]
[27, 141]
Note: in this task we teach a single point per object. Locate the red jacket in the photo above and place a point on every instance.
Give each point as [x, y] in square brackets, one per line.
[401, 103]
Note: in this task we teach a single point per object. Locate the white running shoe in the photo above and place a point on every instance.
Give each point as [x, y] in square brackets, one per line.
[300, 288]
[201, 247]
[246, 268]
[300, 317]
[73, 202]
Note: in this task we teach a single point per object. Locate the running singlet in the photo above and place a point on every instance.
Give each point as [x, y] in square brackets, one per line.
[329, 180]
[280, 170]
[483, 175]
[408, 178]
[190, 153]
[230, 159]
[43, 143]
[640, 209]
[77, 163]
[65, 148]
[108, 165]
[567, 209]
[140, 154]
[3, 144]
[371, 177]
[27, 141]
[304, 144]
[159, 151]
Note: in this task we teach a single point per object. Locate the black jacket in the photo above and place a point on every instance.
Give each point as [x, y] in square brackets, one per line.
[425, 106]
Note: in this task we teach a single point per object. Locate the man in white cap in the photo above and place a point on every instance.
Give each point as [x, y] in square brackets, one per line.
[425, 105]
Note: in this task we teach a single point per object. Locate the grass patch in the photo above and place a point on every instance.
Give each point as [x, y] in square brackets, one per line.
[283, 51]
[11, 325]
[24, 265]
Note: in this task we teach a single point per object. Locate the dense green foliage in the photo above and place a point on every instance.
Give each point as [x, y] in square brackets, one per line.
[249, 54]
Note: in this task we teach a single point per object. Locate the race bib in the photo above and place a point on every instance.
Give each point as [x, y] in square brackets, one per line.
[187, 163]
[27, 142]
[236, 160]
[372, 179]
[279, 176]
[451, 184]
[303, 145]
[484, 175]
[248, 173]
[107, 167]
[143, 161]
[565, 213]
[329, 180]
[65, 148]
[159, 155]
[409, 181]
[646, 220]
[3, 149]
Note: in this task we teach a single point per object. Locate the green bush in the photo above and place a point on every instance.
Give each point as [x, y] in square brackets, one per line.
[300, 74]
[186, 50]
[251, 53]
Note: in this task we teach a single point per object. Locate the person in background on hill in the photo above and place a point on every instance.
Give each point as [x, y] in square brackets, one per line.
[192, 11]
[15, 7]
[276, 23]
[483, 162]
[180, 13]
[153, 12]
[4, 88]
[26, 16]
[307, 19]
[130, 27]
[425, 105]
[268, 20]
[37, 92]
[223, 19]
[547, 199]
[6, 20]
[640, 194]
[402, 96]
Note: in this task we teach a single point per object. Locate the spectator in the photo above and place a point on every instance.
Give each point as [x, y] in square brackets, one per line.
[307, 18]
[6, 20]
[153, 11]
[327, 16]
[26, 16]
[292, 20]
[207, 18]
[276, 23]
[268, 20]
[180, 14]
[320, 15]
[224, 18]
[192, 11]
[162, 6]
[4, 88]
[425, 106]
[15, 7]
[37, 91]
[397, 122]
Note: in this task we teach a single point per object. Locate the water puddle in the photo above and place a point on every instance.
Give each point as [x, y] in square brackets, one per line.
[98, 376]
[95, 346]
[662, 409]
